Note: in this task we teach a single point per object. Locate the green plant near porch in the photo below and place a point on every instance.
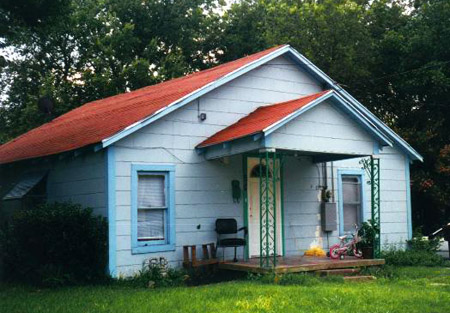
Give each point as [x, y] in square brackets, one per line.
[368, 233]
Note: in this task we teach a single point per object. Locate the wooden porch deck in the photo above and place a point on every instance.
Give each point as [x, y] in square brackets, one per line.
[296, 264]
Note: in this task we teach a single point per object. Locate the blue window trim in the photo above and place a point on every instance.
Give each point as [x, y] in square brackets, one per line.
[110, 171]
[408, 197]
[161, 245]
[355, 172]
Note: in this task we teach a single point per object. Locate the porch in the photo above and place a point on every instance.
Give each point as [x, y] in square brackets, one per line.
[298, 264]
[289, 199]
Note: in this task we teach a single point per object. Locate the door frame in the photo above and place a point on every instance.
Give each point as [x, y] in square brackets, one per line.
[245, 157]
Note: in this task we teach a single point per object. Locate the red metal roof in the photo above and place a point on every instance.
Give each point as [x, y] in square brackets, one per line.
[97, 120]
[259, 120]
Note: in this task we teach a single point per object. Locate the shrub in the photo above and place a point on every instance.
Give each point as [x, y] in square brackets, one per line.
[420, 252]
[154, 275]
[55, 244]
[411, 257]
[420, 243]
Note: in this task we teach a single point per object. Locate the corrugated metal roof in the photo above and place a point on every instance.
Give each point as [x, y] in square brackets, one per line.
[97, 120]
[259, 120]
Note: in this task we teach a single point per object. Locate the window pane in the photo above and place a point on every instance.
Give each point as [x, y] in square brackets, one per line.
[351, 216]
[151, 191]
[150, 224]
[351, 192]
[351, 189]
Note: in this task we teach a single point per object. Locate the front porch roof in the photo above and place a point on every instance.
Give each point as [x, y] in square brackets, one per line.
[252, 131]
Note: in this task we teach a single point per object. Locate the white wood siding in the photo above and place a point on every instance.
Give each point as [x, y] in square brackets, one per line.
[324, 129]
[79, 180]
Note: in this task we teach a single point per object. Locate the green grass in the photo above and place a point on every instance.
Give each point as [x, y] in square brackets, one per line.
[410, 290]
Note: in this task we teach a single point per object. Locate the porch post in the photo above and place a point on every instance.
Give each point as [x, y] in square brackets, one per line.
[267, 213]
[375, 201]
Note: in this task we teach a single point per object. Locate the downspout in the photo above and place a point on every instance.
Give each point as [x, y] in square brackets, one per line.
[332, 182]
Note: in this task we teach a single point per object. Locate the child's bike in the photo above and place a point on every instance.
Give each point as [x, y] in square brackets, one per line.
[340, 250]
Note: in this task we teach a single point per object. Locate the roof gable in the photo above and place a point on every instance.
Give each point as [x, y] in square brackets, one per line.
[267, 119]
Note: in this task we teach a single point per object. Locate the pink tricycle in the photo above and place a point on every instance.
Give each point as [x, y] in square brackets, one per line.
[340, 250]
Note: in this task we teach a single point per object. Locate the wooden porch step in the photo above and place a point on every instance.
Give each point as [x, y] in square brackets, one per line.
[340, 272]
[359, 278]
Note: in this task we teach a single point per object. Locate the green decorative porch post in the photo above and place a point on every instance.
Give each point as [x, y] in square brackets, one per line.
[375, 195]
[267, 216]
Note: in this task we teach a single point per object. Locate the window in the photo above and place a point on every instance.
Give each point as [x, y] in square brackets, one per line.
[153, 227]
[152, 208]
[351, 200]
[258, 169]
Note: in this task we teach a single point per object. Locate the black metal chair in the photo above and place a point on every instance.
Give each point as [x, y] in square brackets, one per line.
[228, 226]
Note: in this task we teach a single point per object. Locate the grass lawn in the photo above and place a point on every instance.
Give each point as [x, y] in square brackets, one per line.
[413, 290]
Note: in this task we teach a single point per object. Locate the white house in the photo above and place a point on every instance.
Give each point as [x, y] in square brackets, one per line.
[162, 162]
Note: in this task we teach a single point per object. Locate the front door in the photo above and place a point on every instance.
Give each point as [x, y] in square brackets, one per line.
[253, 175]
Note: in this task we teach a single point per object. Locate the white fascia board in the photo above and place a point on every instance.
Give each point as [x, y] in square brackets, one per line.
[193, 96]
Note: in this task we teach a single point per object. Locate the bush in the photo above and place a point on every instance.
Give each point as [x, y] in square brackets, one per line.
[55, 244]
[155, 274]
[411, 257]
[420, 252]
[419, 243]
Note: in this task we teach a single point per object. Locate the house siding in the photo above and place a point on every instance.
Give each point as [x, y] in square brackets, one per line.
[203, 188]
[323, 129]
[302, 196]
[79, 180]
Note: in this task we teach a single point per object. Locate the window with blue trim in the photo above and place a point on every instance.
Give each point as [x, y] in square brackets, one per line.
[152, 207]
[351, 202]
[153, 227]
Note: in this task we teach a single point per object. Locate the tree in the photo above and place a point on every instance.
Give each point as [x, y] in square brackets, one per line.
[96, 49]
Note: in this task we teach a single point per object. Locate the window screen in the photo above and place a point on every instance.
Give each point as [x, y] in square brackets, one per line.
[351, 192]
[152, 207]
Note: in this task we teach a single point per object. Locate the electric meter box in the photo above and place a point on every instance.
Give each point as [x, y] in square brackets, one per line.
[328, 216]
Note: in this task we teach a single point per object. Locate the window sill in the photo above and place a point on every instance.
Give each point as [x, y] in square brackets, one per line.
[153, 248]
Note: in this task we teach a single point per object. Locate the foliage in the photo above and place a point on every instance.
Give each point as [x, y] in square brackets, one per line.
[421, 243]
[413, 258]
[55, 244]
[367, 232]
[153, 275]
[95, 49]
[420, 252]
[415, 289]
